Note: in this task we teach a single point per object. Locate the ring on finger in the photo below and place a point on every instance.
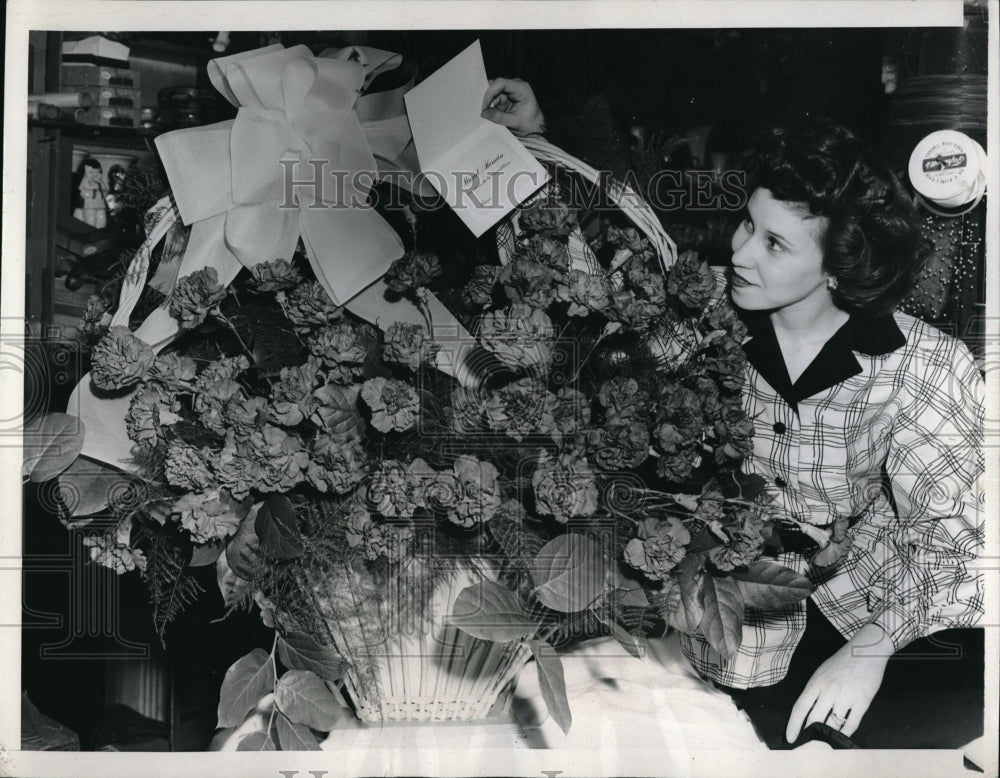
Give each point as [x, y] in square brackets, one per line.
[836, 721]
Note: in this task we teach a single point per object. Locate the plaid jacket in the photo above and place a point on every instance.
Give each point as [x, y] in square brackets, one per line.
[886, 426]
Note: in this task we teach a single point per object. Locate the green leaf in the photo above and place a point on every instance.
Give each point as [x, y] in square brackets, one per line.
[257, 741]
[51, 444]
[243, 549]
[688, 616]
[628, 590]
[247, 682]
[552, 683]
[490, 611]
[569, 571]
[768, 585]
[294, 737]
[703, 541]
[519, 542]
[745, 486]
[86, 485]
[635, 646]
[722, 623]
[206, 554]
[277, 529]
[298, 651]
[303, 697]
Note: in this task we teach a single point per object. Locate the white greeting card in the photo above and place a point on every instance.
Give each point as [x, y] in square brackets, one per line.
[480, 169]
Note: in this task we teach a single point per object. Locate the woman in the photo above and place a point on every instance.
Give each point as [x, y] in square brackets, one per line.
[868, 428]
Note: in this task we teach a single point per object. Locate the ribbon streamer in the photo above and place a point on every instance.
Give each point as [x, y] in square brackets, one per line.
[239, 185]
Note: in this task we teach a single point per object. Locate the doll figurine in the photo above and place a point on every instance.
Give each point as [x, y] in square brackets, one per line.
[92, 210]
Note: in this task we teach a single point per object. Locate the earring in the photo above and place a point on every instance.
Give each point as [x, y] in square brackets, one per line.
[831, 283]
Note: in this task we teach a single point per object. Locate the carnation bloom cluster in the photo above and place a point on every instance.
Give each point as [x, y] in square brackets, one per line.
[602, 430]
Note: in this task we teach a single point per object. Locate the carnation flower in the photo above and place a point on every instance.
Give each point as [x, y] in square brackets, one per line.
[210, 515]
[213, 390]
[619, 444]
[173, 369]
[396, 491]
[236, 469]
[292, 399]
[224, 367]
[408, 345]
[733, 436]
[726, 361]
[334, 466]
[120, 359]
[96, 317]
[723, 317]
[632, 311]
[280, 459]
[520, 336]
[412, 271]
[245, 415]
[679, 451]
[470, 493]
[467, 409]
[522, 408]
[395, 404]
[549, 218]
[195, 296]
[647, 280]
[478, 292]
[681, 407]
[548, 251]
[527, 281]
[112, 550]
[308, 305]
[564, 487]
[342, 348]
[150, 410]
[658, 547]
[274, 276]
[571, 414]
[586, 293]
[691, 281]
[744, 540]
[383, 539]
[337, 413]
[711, 400]
[626, 238]
[621, 396]
[187, 467]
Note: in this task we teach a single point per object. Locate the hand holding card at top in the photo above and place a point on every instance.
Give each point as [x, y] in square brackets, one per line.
[479, 167]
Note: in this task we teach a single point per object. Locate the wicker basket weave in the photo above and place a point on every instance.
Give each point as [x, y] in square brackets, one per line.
[418, 667]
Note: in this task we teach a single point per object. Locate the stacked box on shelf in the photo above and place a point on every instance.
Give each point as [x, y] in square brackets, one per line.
[115, 91]
[109, 116]
[116, 97]
[89, 75]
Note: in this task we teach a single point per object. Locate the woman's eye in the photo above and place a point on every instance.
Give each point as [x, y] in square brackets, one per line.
[747, 224]
[774, 245]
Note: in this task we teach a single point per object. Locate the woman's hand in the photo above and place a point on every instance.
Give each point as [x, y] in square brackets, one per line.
[510, 102]
[843, 686]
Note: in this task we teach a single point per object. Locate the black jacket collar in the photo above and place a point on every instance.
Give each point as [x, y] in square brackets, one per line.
[835, 363]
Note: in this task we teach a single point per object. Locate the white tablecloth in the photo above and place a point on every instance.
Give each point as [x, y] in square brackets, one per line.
[654, 708]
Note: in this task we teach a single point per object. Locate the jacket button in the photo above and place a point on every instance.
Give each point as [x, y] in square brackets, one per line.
[780, 482]
[779, 427]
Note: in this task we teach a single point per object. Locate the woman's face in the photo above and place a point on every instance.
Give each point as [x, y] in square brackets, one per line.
[777, 259]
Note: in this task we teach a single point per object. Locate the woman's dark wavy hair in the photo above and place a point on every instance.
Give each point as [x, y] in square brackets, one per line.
[872, 244]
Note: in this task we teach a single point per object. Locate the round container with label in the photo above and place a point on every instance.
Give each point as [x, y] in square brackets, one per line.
[947, 171]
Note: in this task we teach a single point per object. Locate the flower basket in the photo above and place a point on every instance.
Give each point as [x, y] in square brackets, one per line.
[424, 669]
[424, 470]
